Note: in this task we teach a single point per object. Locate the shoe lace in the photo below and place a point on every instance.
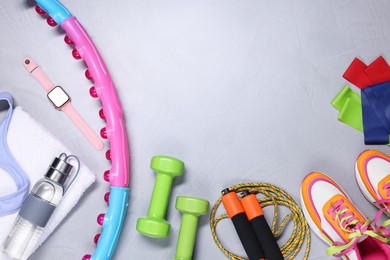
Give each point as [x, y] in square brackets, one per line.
[349, 223]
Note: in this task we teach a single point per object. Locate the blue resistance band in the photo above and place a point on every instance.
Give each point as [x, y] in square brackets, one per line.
[13, 201]
[376, 113]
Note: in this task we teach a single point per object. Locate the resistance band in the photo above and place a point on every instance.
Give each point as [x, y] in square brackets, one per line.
[373, 80]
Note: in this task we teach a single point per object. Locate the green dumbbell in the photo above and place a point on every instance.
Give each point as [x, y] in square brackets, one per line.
[191, 208]
[166, 168]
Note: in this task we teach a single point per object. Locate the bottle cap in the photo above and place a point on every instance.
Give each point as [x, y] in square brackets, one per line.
[59, 171]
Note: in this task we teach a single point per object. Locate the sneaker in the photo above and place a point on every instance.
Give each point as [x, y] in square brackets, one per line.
[372, 171]
[334, 218]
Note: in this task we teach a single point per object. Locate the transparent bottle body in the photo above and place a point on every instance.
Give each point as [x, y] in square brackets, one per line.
[24, 235]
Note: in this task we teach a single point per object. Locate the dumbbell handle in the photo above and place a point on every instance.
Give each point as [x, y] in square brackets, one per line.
[187, 236]
[160, 196]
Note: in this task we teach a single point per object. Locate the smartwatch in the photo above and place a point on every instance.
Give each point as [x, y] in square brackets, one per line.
[61, 101]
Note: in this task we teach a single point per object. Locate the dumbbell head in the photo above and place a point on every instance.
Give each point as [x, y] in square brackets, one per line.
[153, 227]
[167, 165]
[191, 205]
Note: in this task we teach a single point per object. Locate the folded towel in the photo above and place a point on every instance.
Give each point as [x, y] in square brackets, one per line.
[35, 148]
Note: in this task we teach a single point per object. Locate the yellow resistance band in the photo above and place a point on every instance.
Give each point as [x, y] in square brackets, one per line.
[276, 197]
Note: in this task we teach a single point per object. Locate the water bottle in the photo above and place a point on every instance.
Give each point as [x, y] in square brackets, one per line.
[38, 208]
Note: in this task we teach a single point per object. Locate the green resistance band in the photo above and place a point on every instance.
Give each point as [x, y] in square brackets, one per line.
[350, 106]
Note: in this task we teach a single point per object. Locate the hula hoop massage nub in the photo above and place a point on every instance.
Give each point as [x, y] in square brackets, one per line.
[115, 131]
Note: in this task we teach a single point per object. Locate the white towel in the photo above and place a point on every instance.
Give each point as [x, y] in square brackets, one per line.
[35, 148]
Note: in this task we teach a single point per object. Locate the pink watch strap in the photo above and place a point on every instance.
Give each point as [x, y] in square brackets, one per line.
[37, 73]
[83, 126]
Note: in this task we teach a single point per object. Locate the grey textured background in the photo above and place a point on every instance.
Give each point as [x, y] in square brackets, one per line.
[239, 90]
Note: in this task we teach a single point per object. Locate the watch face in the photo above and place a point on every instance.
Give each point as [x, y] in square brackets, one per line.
[58, 97]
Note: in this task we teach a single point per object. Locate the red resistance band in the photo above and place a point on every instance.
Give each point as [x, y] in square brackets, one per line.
[363, 76]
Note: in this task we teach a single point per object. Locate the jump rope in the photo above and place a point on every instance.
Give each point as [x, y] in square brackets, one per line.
[271, 196]
[115, 131]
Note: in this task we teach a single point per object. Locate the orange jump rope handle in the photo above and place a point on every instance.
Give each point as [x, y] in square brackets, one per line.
[243, 228]
[263, 232]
